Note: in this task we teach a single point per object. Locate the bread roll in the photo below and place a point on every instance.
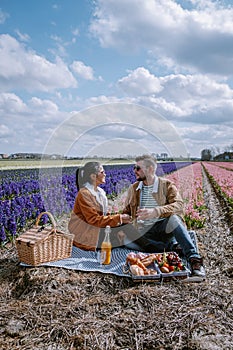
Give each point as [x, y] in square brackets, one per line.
[136, 270]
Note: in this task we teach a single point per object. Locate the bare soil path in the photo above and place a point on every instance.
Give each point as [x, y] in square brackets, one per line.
[57, 309]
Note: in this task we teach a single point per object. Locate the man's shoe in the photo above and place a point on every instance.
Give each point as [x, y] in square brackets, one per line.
[197, 267]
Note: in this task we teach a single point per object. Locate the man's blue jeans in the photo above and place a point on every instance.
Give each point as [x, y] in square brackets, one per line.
[165, 234]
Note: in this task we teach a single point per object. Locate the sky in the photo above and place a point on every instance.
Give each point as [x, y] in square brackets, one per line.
[116, 78]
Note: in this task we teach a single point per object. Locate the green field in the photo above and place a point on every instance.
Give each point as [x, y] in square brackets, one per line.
[31, 163]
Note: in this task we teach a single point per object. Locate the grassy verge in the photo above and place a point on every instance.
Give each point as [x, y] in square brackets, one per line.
[31, 163]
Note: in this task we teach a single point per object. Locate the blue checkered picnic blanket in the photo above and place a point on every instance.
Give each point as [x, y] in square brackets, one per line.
[82, 260]
[90, 261]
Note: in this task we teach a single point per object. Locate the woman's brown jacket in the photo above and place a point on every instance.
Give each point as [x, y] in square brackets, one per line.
[86, 220]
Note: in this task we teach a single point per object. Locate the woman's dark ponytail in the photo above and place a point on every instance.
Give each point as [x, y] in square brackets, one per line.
[78, 182]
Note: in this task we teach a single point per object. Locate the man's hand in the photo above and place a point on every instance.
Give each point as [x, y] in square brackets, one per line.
[145, 214]
[121, 237]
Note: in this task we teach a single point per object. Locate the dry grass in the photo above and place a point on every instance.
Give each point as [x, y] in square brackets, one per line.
[53, 308]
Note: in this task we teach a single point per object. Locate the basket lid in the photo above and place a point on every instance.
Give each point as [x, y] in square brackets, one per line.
[35, 235]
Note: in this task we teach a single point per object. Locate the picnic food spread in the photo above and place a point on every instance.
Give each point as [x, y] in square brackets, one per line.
[155, 267]
[167, 262]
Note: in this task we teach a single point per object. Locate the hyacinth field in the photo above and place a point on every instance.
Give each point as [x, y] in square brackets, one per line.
[25, 193]
[53, 308]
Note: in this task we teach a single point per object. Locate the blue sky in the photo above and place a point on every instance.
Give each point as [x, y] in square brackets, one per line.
[107, 77]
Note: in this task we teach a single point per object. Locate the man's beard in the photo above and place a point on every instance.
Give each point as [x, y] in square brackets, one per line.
[141, 178]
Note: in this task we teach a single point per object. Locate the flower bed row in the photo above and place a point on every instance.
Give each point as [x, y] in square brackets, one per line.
[222, 182]
[225, 165]
[189, 182]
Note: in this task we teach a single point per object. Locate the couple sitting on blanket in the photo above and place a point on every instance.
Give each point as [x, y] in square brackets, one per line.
[153, 200]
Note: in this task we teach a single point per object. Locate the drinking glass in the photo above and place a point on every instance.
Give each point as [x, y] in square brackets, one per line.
[101, 256]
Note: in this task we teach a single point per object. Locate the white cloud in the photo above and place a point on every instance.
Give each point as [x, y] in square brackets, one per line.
[22, 37]
[3, 16]
[11, 103]
[23, 68]
[122, 121]
[140, 81]
[196, 98]
[102, 99]
[199, 39]
[27, 124]
[46, 107]
[75, 32]
[198, 137]
[59, 49]
[4, 131]
[85, 72]
[55, 6]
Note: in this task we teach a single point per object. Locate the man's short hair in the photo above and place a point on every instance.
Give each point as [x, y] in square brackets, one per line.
[147, 159]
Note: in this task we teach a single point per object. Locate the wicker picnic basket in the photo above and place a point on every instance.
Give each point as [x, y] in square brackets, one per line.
[42, 244]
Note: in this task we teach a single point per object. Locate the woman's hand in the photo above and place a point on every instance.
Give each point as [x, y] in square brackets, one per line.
[145, 214]
[126, 219]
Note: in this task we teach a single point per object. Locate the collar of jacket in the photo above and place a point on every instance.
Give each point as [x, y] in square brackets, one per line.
[155, 186]
[100, 196]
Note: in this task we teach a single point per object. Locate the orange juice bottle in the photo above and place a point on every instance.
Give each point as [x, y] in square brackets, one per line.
[106, 247]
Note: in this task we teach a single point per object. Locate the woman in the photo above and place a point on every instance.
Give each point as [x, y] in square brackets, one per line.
[90, 213]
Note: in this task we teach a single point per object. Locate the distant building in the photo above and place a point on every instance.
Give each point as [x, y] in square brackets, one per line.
[35, 156]
[3, 156]
[25, 156]
[224, 156]
[162, 156]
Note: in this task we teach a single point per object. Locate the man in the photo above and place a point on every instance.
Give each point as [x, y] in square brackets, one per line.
[158, 207]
